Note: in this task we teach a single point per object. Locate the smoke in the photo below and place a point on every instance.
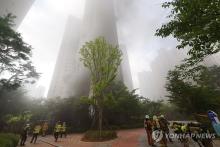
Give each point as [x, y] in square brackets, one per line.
[152, 83]
[151, 57]
[137, 21]
[137, 24]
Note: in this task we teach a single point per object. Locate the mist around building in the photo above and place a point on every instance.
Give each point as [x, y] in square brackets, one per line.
[105, 69]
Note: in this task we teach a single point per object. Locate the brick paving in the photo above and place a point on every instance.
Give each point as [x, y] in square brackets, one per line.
[126, 138]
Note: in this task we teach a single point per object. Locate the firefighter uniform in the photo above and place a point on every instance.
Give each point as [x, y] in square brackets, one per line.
[36, 132]
[148, 128]
[24, 134]
[57, 131]
[63, 130]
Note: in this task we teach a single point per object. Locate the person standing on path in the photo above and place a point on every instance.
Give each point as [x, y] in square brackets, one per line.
[24, 134]
[36, 132]
[156, 124]
[63, 130]
[148, 128]
[164, 124]
[165, 129]
[57, 130]
[44, 129]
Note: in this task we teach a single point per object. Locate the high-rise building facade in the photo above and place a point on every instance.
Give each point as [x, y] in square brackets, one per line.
[19, 8]
[98, 21]
[125, 69]
[152, 83]
[63, 80]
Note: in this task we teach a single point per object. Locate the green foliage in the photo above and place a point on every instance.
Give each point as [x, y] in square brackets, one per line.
[195, 95]
[15, 122]
[160, 107]
[152, 107]
[12, 101]
[24, 117]
[102, 60]
[4, 142]
[93, 135]
[121, 106]
[15, 57]
[171, 112]
[69, 110]
[195, 24]
[13, 108]
[8, 140]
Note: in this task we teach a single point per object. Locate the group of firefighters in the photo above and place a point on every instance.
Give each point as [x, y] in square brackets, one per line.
[156, 123]
[59, 130]
[151, 125]
[160, 124]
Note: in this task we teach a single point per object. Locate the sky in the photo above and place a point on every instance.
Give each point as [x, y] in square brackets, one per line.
[43, 29]
[137, 21]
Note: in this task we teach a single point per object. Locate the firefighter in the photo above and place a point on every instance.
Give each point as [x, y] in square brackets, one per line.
[164, 123]
[185, 130]
[36, 132]
[57, 130]
[164, 128]
[44, 129]
[63, 130]
[24, 134]
[156, 124]
[148, 128]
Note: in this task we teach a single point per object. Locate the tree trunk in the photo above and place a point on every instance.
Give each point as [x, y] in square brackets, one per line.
[100, 121]
[94, 124]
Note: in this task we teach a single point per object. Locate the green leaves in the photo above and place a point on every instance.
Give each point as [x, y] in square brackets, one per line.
[103, 60]
[195, 24]
[15, 57]
[197, 94]
[24, 117]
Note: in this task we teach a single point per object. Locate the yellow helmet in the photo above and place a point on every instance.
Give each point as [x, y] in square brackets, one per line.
[184, 128]
[147, 116]
[154, 117]
[161, 116]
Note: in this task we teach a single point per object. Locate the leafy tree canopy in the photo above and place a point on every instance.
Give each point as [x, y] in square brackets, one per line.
[119, 100]
[15, 57]
[195, 24]
[102, 59]
[195, 95]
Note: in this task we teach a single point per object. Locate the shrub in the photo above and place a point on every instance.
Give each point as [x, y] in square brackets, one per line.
[94, 135]
[4, 142]
[8, 140]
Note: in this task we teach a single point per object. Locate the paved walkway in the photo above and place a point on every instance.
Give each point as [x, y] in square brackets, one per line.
[126, 138]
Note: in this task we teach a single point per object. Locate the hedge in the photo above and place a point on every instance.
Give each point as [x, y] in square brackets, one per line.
[8, 140]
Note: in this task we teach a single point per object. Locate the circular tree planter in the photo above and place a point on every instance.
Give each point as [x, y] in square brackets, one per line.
[94, 136]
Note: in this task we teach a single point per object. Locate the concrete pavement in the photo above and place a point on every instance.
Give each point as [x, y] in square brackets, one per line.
[126, 138]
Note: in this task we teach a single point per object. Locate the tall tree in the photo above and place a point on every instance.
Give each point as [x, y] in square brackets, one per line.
[126, 104]
[15, 57]
[196, 95]
[102, 59]
[195, 24]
